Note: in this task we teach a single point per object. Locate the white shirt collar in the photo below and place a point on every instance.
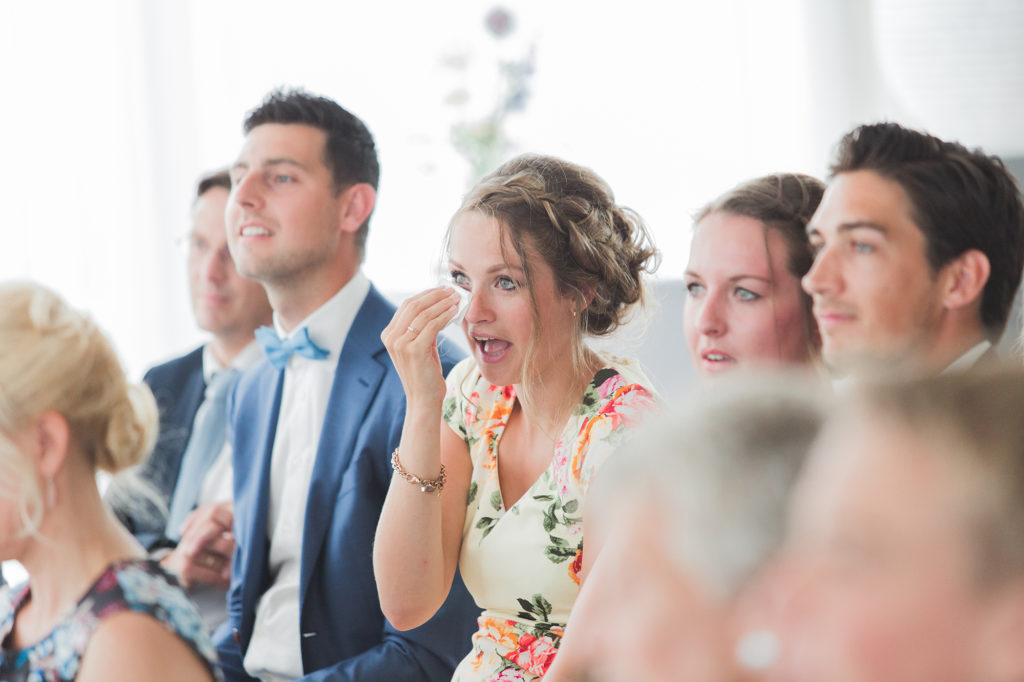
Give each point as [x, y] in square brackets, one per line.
[245, 359]
[968, 359]
[329, 324]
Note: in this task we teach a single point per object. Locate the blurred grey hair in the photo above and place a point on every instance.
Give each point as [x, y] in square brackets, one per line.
[718, 475]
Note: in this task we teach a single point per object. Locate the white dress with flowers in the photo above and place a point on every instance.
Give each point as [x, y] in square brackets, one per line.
[521, 562]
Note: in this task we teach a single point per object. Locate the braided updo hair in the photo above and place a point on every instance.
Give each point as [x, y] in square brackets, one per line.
[597, 250]
[55, 358]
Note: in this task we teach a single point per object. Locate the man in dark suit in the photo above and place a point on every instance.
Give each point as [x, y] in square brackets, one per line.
[314, 426]
[230, 308]
[920, 245]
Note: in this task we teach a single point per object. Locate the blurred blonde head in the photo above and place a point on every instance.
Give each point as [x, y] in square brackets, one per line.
[909, 520]
[55, 359]
[693, 515]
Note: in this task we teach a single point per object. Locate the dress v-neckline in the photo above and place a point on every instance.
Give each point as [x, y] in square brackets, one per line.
[504, 508]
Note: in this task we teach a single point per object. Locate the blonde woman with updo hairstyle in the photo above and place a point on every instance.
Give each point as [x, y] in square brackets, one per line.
[94, 608]
[494, 465]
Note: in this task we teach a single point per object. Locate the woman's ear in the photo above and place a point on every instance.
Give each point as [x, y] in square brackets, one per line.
[50, 437]
[588, 292]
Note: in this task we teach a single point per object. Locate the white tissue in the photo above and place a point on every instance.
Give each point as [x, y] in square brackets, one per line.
[464, 297]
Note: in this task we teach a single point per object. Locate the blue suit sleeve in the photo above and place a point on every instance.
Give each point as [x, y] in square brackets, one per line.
[229, 655]
[396, 659]
[429, 652]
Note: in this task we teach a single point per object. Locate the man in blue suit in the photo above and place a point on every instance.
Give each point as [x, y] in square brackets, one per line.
[314, 426]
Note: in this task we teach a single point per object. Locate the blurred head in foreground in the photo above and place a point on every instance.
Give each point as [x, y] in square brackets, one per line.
[910, 523]
[691, 518]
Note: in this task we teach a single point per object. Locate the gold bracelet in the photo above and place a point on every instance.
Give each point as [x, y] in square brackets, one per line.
[434, 486]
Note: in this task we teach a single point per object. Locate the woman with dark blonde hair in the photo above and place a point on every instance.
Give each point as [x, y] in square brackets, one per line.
[548, 258]
[94, 609]
[744, 305]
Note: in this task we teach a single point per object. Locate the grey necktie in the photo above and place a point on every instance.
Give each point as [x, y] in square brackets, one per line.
[205, 444]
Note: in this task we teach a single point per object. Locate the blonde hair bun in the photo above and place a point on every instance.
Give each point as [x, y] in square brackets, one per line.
[56, 358]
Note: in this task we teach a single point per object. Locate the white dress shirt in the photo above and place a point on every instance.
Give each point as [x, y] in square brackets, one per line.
[968, 359]
[274, 652]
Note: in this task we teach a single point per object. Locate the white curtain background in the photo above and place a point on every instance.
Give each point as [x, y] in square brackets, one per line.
[111, 109]
[114, 107]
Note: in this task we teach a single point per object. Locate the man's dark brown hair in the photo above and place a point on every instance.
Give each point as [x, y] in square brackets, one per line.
[350, 153]
[960, 200]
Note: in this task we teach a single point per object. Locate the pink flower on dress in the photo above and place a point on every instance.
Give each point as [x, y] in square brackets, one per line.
[471, 407]
[609, 386]
[510, 675]
[534, 654]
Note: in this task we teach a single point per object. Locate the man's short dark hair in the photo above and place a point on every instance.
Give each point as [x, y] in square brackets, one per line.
[350, 153]
[220, 178]
[960, 200]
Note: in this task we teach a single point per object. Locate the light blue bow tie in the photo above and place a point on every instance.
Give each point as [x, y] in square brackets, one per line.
[278, 351]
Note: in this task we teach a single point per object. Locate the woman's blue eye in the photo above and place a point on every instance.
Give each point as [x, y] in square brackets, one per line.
[746, 294]
[459, 278]
[694, 289]
[507, 283]
[861, 247]
[283, 178]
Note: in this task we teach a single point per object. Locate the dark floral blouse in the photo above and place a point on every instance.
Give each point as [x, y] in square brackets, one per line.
[135, 585]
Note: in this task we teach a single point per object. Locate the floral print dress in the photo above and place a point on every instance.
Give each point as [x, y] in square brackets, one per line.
[521, 559]
[135, 585]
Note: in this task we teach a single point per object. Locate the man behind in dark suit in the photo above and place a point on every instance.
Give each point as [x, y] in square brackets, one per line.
[230, 308]
[920, 245]
[314, 426]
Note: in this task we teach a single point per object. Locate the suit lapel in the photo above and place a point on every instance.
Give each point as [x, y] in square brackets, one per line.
[192, 396]
[356, 380]
[257, 474]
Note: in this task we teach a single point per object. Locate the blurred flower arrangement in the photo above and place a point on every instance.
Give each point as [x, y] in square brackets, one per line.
[481, 137]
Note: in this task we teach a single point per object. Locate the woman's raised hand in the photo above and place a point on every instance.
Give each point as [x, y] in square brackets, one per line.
[411, 340]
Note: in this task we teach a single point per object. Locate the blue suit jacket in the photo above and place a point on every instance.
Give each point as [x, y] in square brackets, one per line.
[344, 634]
[178, 386]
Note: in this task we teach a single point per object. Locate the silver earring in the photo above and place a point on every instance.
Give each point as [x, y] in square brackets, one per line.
[757, 649]
[51, 493]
